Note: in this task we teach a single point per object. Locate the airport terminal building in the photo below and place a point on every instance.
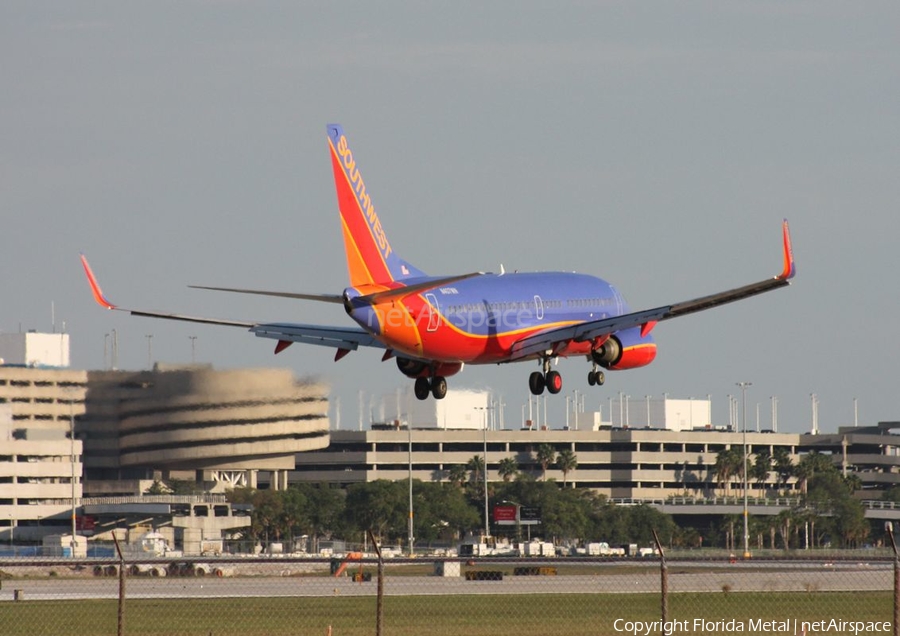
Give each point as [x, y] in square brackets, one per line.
[618, 463]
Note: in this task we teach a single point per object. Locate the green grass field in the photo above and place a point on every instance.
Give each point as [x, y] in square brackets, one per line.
[477, 615]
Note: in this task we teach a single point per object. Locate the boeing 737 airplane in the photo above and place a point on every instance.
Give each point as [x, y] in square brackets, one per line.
[435, 325]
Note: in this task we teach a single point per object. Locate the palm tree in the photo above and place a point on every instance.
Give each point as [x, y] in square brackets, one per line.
[546, 455]
[785, 517]
[566, 462]
[729, 463]
[457, 474]
[476, 465]
[810, 464]
[507, 468]
[762, 466]
[722, 470]
[783, 464]
[853, 482]
[772, 525]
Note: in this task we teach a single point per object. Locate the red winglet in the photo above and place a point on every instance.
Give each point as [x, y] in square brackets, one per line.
[789, 268]
[387, 355]
[340, 353]
[647, 327]
[282, 345]
[95, 286]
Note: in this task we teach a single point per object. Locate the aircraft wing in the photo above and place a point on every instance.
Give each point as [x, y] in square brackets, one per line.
[342, 338]
[325, 298]
[554, 339]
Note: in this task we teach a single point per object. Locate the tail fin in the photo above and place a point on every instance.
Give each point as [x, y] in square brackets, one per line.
[370, 258]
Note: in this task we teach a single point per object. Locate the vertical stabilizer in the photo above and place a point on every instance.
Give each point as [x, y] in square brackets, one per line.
[370, 258]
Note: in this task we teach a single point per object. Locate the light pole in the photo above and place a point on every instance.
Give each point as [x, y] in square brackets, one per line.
[774, 414]
[193, 349]
[487, 526]
[114, 355]
[574, 409]
[410, 525]
[72, 435]
[744, 386]
[149, 337]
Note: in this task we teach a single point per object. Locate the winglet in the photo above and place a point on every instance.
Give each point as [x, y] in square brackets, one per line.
[95, 286]
[789, 268]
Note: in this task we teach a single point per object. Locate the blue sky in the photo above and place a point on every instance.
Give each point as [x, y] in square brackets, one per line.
[656, 144]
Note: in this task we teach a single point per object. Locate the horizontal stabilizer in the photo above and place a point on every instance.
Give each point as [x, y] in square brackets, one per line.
[401, 292]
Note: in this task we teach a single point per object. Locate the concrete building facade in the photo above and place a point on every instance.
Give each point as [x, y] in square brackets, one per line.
[872, 453]
[197, 423]
[40, 483]
[38, 407]
[223, 428]
[619, 463]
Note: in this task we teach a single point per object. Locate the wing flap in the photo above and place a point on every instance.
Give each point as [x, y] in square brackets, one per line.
[337, 337]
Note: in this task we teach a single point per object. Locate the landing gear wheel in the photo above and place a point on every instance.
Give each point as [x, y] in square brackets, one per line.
[599, 378]
[439, 387]
[554, 382]
[422, 388]
[592, 378]
[536, 383]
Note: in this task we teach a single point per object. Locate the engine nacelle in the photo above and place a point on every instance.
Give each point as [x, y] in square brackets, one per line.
[609, 353]
[637, 352]
[411, 368]
[635, 357]
[419, 369]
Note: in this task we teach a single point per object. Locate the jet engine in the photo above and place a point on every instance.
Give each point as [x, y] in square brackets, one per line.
[614, 355]
[608, 354]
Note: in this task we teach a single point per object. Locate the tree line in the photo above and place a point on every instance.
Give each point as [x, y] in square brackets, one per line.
[445, 511]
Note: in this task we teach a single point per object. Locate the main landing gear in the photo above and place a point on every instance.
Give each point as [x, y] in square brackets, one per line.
[596, 377]
[551, 380]
[436, 386]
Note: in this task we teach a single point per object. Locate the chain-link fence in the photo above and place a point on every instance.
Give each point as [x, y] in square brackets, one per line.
[420, 597]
